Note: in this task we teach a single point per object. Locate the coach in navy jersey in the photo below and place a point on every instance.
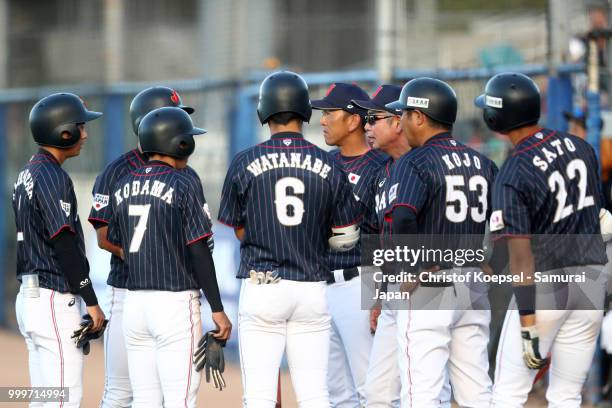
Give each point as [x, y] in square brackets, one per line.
[343, 120]
[117, 391]
[546, 206]
[384, 133]
[440, 188]
[51, 262]
[160, 223]
[285, 197]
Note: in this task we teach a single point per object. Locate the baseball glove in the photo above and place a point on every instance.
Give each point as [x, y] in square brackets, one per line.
[83, 335]
[209, 356]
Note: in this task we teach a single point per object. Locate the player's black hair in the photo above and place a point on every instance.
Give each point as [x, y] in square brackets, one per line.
[284, 118]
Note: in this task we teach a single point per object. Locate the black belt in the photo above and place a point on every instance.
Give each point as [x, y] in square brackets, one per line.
[349, 274]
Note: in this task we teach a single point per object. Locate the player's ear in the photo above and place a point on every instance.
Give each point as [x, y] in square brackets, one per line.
[355, 122]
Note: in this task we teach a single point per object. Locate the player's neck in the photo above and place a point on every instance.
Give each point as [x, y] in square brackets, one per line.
[354, 145]
[516, 136]
[397, 151]
[58, 154]
[293, 126]
[171, 161]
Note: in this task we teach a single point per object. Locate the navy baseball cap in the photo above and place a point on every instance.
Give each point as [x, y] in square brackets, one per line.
[340, 96]
[383, 95]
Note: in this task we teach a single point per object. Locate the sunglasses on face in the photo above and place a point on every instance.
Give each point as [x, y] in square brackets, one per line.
[371, 119]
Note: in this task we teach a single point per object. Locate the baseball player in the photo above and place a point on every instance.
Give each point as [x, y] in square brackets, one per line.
[117, 390]
[51, 262]
[440, 187]
[343, 123]
[159, 221]
[383, 132]
[548, 186]
[285, 197]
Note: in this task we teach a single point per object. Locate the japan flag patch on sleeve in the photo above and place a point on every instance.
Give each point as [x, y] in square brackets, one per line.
[100, 201]
[497, 221]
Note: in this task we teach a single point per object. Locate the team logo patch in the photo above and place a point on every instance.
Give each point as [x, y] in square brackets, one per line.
[453, 142]
[100, 201]
[287, 142]
[417, 102]
[175, 98]
[72, 302]
[148, 170]
[382, 183]
[207, 210]
[66, 207]
[349, 106]
[353, 178]
[393, 192]
[494, 102]
[539, 135]
[497, 221]
[85, 282]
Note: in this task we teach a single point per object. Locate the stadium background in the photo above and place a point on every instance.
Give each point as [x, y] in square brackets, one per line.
[215, 53]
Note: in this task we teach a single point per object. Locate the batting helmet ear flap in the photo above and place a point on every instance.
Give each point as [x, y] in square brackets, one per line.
[183, 145]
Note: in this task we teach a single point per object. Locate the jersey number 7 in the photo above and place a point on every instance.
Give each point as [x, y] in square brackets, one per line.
[141, 211]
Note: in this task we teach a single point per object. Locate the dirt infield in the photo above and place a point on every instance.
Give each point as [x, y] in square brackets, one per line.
[14, 372]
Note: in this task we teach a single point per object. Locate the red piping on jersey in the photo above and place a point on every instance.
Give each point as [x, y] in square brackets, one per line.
[408, 351]
[228, 224]
[498, 237]
[448, 147]
[387, 168]
[388, 213]
[63, 227]
[355, 222]
[190, 351]
[535, 144]
[359, 165]
[132, 163]
[152, 174]
[106, 355]
[286, 147]
[137, 154]
[59, 343]
[338, 153]
[199, 238]
[90, 219]
[43, 161]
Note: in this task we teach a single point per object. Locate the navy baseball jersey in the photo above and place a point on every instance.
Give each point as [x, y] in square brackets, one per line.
[101, 210]
[446, 184]
[361, 172]
[550, 185]
[44, 204]
[287, 194]
[156, 213]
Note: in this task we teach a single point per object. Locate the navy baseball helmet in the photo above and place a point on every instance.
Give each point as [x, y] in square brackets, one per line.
[168, 131]
[435, 98]
[153, 98]
[283, 91]
[56, 114]
[510, 100]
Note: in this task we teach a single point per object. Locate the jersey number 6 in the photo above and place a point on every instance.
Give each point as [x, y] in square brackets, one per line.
[289, 208]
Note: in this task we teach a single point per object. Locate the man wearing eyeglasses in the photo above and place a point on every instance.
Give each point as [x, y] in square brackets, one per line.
[350, 342]
[383, 132]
